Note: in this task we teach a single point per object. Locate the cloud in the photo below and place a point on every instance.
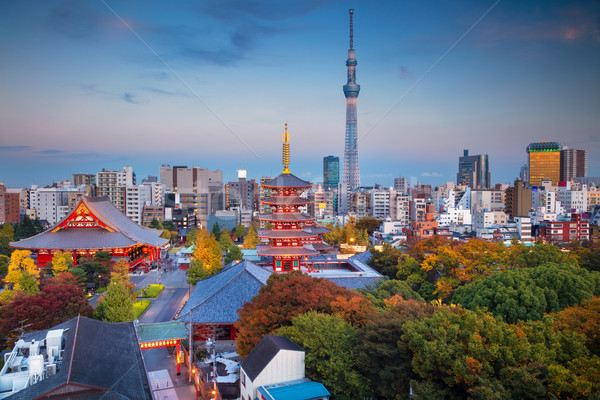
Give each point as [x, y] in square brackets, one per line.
[49, 151]
[431, 174]
[75, 19]
[130, 98]
[164, 92]
[14, 148]
[404, 72]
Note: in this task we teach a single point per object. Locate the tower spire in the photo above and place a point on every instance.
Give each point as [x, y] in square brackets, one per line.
[286, 151]
[351, 29]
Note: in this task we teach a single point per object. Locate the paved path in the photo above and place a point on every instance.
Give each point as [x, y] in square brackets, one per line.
[161, 385]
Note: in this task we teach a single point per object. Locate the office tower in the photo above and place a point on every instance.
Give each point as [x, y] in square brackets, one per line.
[518, 200]
[112, 184]
[351, 173]
[401, 185]
[544, 162]
[242, 194]
[331, 172]
[573, 164]
[473, 171]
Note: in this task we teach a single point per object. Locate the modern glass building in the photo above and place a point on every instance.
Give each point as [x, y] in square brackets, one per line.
[473, 171]
[544, 162]
[331, 172]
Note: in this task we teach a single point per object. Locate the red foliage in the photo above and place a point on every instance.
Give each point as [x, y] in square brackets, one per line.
[56, 303]
[63, 278]
[286, 296]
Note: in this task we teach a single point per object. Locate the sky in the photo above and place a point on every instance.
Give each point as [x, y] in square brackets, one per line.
[99, 84]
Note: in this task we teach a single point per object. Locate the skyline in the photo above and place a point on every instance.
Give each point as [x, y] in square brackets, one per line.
[223, 77]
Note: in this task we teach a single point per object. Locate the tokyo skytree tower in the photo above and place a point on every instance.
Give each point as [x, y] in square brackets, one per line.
[351, 172]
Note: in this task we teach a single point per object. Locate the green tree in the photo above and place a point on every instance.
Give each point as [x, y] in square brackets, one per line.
[240, 232]
[4, 261]
[233, 254]
[541, 254]
[155, 224]
[190, 239]
[329, 342]
[166, 234]
[225, 241]
[251, 240]
[103, 256]
[386, 261]
[216, 231]
[120, 273]
[528, 293]
[385, 289]
[117, 303]
[61, 262]
[369, 223]
[27, 285]
[7, 235]
[169, 225]
[196, 272]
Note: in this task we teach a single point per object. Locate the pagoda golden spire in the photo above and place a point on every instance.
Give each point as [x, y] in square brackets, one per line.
[286, 151]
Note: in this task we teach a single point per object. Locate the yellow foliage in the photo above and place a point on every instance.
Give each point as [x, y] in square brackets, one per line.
[61, 262]
[207, 251]
[20, 262]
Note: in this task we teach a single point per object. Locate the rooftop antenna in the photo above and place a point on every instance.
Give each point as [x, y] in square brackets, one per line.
[351, 29]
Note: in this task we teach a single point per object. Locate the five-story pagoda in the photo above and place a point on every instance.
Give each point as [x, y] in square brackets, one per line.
[291, 236]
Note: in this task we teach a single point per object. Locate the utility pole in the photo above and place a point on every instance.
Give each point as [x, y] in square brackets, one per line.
[190, 349]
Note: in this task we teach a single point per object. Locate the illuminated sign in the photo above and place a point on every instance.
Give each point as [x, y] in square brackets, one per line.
[158, 343]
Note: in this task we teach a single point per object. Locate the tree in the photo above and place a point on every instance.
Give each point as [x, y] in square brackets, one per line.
[583, 319]
[27, 285]
[384, 289]
[216, 231]
[384, 359]
[370, 224]
[20, 261]
[240, 231]
[166, 234]
[288, 295]
[386, 260]
[528, 293]
[540, 254]
[4, 261]
[120, 273]
[56, 303]
[329, 342]
[155, 224]
[251, 240]
[117, 303]
[190, 238]
[7, 235]
[225, 241]
[61, 262]
[233, 254]
[93, 269]
[196, 272]
[207, 253]
[169, 225]
[586, 254]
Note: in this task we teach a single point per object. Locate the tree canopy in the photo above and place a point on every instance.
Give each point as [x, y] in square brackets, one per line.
[286, 296]
[117, 303]
[61, 262]
[206, 259]
[329, 342]
[251, 240]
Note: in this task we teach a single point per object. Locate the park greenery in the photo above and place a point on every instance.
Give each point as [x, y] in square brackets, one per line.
[450, 321]
[150, 291]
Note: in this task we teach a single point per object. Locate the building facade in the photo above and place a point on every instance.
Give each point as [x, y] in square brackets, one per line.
[573, 164]
[543, 162]
[331, 172]
[473, 171]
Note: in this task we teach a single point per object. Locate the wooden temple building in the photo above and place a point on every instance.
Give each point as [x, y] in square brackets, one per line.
[95, 225]
[293, 235]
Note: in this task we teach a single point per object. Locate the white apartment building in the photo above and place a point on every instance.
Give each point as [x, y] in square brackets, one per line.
[401, 185]
[400, 208]
[574, 200]
[380, 204]
[113, 183]
[52, 204]
[136, 197]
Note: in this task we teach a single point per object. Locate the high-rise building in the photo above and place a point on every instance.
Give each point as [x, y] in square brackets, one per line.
[544, 162]
[573, 164]
[242, 194]
[331, 172]
[473, 171]
[351, 173]
[112, 184]
[401, 185]
[518, 200]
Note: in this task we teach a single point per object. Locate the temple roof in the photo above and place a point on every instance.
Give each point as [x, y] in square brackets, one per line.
[292, 217]
[285, 233]
[105, 227]
[288, 180]
[298, 251]
[317, 230]
[218, 298]
[290, 200]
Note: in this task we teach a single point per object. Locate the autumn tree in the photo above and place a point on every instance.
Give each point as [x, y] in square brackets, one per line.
[240, 232]
[26, 286]
[61, 262]
[251, 240]
[20, 263]
[206, 259]
[191, 237]
[384, 289]
[288, 295]
[56, 303]
[117, 303]
[584, 319]
[329, 342]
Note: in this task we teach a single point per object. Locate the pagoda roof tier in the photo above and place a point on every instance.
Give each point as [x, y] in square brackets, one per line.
[317, 230]
[291, 217]
[321, 246]
[285, 234]
[288, 180]
[292, 251]
[286, 200]
[94, 224]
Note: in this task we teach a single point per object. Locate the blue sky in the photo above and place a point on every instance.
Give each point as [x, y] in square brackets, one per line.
[88, 85]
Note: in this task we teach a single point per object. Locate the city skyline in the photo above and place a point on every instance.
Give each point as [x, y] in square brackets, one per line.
[92, 85]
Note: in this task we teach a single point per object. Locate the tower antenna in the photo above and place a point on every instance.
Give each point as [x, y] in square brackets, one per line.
[286, 151]
[351, 29]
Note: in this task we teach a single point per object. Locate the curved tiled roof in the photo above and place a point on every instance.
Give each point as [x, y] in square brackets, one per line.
[286, 251]
[286, 200]
[288, 180]
[126, 232]
[284, 233]
[286, 217]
